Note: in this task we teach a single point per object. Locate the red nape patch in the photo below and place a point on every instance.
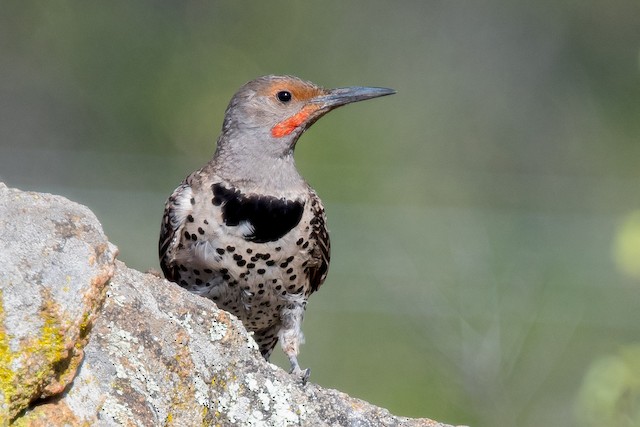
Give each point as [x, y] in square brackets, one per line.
[287, 126]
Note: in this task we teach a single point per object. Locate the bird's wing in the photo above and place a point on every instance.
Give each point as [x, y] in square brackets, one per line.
[178, 207]
[320, 234]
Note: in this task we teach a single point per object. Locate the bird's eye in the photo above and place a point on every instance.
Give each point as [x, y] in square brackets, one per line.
[284, 96]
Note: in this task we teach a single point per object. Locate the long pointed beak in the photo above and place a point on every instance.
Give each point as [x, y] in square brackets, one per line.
[334, 98]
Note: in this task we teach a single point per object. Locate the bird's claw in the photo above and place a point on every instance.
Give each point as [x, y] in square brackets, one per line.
[303, 374]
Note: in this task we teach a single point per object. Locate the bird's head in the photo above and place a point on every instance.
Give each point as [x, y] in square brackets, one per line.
[268, 114]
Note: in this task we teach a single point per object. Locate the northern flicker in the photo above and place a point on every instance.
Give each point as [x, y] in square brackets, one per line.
[246, 230]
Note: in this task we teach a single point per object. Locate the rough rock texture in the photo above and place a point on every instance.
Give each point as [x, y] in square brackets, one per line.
[55, 262]
[156, 355]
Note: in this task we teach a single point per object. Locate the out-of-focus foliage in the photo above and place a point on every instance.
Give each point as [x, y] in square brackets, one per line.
[484, 218]
[627, 245]
[610, 394]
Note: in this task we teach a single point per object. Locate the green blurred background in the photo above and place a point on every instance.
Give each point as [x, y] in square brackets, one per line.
[485, 220]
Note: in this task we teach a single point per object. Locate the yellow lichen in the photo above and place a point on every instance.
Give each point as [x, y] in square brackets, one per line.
[183, 394]
[205, 411]
[67, 285]
[169, 419]
[218, 382]
[51, 347]
[42, 358]
[85, 328]
[7, 376]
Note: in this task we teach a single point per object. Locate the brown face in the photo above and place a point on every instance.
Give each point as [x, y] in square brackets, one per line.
[289, 94]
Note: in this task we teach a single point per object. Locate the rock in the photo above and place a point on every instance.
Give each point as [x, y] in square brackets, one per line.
[156, 354]
[56, 262]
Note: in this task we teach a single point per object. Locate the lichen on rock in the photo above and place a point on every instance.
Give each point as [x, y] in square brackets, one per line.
[56, 264]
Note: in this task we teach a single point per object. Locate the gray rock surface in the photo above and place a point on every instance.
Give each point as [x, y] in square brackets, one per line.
[156, 354]
[55, 262]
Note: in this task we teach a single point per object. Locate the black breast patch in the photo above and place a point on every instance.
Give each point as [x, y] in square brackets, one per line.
[270, 217]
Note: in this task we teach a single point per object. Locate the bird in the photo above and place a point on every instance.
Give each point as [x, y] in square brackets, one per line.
[246, 230]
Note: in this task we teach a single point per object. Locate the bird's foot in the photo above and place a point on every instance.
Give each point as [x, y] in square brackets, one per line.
[303, 374]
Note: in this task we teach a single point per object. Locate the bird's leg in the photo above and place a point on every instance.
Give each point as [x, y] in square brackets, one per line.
[291, 336]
